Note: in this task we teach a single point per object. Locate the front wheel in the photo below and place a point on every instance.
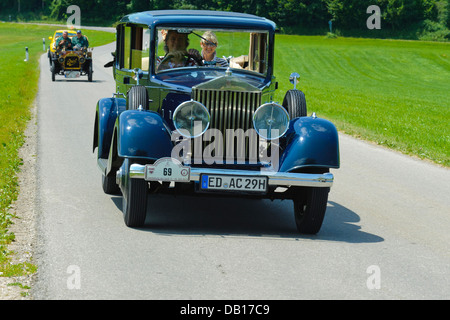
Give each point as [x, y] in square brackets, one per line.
[53, 70]
[134, 202]
[310, 205]
[109, 184]
[90, 72]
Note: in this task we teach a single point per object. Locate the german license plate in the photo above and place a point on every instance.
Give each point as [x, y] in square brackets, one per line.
[167, 169]
[212, 182]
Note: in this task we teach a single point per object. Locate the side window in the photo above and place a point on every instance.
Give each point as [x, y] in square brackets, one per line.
[258, 52]
[134, 43]
[121, 48]
[140, 48]
[126, 47]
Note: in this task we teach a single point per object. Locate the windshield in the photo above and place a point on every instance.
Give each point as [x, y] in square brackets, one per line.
[214, 48]
[59, 34]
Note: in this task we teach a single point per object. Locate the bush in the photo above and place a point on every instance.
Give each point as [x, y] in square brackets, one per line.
[433, 31]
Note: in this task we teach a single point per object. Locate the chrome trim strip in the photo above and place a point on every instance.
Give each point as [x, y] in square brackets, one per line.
[137, 171]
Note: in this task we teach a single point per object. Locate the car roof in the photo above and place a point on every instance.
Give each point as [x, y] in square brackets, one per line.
[206, 18]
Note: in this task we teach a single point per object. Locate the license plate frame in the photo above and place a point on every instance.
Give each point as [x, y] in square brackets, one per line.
[233, 183]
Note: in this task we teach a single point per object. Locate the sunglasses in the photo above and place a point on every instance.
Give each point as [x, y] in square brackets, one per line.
[209, 44]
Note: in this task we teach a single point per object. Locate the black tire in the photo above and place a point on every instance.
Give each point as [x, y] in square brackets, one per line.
[310, 205]
[137, 96]
[295, 103]
[134, 201]
[109, 185]
[53, 70]
[90, 72]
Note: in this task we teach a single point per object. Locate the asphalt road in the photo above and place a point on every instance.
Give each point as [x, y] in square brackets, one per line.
[385, 234]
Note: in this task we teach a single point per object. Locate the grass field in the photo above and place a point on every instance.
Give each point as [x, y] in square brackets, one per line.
[19, 85]
[395, 93]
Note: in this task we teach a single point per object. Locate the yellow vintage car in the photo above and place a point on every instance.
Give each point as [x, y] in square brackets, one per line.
[69, 63]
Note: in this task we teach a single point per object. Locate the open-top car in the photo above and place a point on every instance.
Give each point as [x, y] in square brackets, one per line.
[68, 61]
[193, 113]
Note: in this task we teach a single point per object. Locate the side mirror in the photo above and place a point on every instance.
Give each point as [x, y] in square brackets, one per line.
[294, 78]
[109, 64]
[50, 38]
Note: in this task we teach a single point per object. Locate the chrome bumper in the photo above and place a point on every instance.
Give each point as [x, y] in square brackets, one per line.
[286, 179]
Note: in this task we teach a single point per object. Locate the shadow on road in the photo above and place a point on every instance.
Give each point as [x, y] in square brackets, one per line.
[77, 80]
[184, 215]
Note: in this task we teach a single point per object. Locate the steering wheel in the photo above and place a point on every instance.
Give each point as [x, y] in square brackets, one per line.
[195, 58]
[187, 55]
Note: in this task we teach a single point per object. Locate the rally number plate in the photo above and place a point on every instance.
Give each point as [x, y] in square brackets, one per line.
[167, 169]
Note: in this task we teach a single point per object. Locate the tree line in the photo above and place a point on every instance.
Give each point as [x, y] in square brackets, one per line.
[408, 18]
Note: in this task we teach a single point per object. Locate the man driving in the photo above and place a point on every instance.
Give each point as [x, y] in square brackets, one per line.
[64, 42]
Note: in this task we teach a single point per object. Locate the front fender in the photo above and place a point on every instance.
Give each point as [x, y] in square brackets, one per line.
[311, 143]
[107, 111]
[143, 134]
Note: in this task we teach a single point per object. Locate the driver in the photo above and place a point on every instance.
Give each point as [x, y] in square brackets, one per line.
[64, 42]
[176, 54]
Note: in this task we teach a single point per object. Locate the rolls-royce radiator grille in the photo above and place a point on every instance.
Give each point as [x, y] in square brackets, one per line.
[231, 110]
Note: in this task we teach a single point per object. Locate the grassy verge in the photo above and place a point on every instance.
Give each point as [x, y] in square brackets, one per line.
[19, 87]
[393, 92]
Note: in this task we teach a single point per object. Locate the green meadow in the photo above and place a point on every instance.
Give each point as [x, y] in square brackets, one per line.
[393, 92]
[18, 89]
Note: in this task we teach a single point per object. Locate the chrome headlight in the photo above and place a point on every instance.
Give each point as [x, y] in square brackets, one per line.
[61, 60]
[82, 60]
[191, 119]
[271, 121]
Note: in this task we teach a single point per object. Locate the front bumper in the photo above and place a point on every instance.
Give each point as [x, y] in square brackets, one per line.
[284, 179]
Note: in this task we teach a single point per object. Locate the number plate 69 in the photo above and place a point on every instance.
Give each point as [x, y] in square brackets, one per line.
[167, 169]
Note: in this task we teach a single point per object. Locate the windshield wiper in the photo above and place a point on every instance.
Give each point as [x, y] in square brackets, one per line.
[206, 40]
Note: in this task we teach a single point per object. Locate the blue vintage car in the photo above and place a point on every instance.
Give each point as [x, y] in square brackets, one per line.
[194, 113]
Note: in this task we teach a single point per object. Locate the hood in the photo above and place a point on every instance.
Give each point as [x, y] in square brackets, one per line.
[228, 82]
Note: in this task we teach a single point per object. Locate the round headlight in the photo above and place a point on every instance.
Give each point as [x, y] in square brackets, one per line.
[191, 119]
[271, 121]
[82, 60]
[61, 60]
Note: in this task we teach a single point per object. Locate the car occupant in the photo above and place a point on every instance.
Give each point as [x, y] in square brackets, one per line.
[64, 42]
[80, 41]
[209, 44]
[176, 54]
